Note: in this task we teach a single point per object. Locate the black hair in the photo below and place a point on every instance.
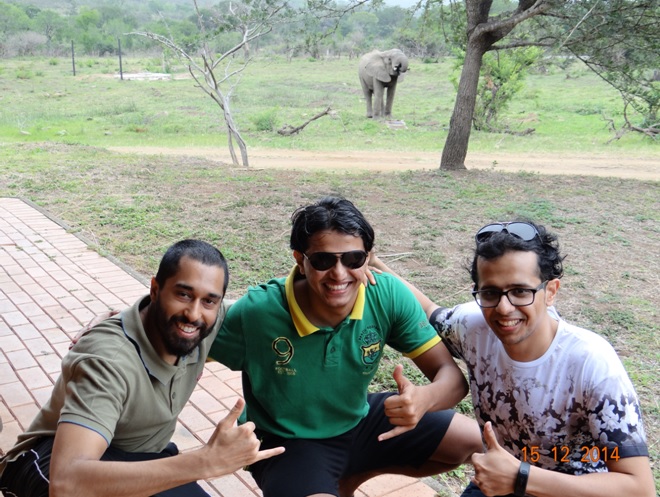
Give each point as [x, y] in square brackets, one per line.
[196, 250]
[329, 213]
[545, 245]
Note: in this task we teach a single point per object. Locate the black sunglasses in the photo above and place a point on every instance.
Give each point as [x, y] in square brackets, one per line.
[525, 231]
[322, 261]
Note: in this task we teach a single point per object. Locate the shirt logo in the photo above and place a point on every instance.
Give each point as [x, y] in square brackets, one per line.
[283, 347]
[370, 353]
[371, 345]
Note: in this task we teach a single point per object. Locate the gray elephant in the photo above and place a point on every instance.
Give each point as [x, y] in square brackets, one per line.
[380, 70]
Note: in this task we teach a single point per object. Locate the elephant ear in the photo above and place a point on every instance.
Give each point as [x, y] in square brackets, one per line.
[377, 66]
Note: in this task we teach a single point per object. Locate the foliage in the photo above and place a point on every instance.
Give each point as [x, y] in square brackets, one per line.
[502, 77]
[266, 120]
[619, 41]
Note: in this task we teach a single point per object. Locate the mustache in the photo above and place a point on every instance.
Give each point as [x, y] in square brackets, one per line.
[182, 319]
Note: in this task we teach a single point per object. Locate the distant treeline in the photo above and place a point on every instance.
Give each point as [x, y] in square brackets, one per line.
[47, 28]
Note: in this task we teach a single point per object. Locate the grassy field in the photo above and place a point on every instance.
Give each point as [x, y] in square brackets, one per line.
[41, 100]
[54, 127]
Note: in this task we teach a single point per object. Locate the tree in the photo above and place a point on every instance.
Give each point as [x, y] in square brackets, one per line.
[218, 74]
[618, 40]
[254, 18]
[483, 33]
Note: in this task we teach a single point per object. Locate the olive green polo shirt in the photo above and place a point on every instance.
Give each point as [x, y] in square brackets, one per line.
[115, 384]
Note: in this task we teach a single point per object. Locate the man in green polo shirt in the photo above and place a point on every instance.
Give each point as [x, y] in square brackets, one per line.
[310, 344]
[106, 429]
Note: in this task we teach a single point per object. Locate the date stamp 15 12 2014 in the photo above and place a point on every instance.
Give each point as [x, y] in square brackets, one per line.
[590, 454]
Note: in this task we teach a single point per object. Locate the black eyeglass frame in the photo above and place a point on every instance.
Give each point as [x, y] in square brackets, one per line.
[337, 256]
[476, 294]
[519, 229]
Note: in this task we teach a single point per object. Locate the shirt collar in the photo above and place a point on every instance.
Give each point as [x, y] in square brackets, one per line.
[153, 363]
[303, 326]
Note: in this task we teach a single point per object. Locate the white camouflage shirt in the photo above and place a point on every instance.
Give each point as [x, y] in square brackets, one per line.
[568, 411]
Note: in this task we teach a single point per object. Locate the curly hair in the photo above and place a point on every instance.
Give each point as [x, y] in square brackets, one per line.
[545, 245]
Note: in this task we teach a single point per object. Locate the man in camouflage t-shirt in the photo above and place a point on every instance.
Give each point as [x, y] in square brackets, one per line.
[558, 411]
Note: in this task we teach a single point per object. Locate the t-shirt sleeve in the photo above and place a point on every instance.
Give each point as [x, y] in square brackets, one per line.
[96, 393]
[412, 334]
[614, 411]
[229, 344]
[447, 325]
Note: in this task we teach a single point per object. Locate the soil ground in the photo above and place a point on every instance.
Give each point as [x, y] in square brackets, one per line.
[587, 164]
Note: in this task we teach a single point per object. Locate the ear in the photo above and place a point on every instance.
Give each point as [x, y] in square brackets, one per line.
[300, 260]
[153, 289]
[551, 289]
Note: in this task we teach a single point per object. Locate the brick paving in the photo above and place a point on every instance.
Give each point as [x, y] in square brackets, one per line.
[51, 284]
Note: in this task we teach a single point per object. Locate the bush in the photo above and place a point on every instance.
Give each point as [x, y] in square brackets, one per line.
[266, 120]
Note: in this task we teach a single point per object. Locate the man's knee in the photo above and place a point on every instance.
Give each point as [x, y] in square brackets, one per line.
[463, 438]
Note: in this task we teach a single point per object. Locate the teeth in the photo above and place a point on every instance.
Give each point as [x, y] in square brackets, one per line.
[338, 287]
[187, 328]
[512, 322]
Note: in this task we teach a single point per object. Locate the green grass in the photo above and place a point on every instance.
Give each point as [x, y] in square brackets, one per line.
[95, 108]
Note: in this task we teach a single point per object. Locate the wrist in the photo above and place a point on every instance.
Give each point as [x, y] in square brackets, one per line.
[520, 485]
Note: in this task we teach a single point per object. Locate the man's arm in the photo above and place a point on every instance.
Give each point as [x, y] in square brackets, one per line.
[76, 468]
[427, 304]
[446, 388]
[496, 472]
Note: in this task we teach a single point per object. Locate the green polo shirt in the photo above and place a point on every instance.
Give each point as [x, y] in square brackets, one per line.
[114, 383]
[301, 381]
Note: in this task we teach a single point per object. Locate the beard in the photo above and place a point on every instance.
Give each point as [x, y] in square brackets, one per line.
[166, 328]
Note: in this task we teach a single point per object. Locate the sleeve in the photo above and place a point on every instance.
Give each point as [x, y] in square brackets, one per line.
[96, 392]
[444, 321]
[411, 334]
[228, 346]
[614, 411]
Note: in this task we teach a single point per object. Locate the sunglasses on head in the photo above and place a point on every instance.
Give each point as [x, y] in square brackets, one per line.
[525, 231]
[322, 261]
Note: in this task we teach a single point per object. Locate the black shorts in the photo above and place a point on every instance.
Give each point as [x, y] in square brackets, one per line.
[473, 491]
[28, 475]
[315, 466]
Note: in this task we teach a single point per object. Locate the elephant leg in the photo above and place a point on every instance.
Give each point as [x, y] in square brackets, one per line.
[367, 96]
[379, 91]
[390, 100]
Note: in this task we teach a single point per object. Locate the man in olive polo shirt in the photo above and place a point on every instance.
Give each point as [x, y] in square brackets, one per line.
[107, 427]
[310, 344]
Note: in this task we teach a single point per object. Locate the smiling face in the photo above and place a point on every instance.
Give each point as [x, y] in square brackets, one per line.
[327, 297]
[184, 309]
[526, 332]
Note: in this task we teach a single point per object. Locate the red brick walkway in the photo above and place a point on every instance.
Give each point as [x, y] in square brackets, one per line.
[52, 283]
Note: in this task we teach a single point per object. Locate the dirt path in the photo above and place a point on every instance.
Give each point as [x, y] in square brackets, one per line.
[591, 165]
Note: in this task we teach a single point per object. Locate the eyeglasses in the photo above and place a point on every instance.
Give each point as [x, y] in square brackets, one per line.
[525, 231]
[520, 297]
[322, 261]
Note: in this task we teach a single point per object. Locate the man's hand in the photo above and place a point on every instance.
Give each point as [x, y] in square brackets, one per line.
[496, 470]
[94, 321]
[233, 447]
[403, 410]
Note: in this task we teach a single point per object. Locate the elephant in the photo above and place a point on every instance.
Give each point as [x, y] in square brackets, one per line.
[377, 71]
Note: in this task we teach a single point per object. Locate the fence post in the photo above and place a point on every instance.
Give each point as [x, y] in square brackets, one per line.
[73, 59]
[121, 71]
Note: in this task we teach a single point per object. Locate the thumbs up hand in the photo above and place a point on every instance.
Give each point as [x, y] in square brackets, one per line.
[495, 471]
[405, 409]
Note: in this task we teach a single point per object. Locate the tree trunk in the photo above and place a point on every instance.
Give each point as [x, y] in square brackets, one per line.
[482, 34]
[460, 125]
